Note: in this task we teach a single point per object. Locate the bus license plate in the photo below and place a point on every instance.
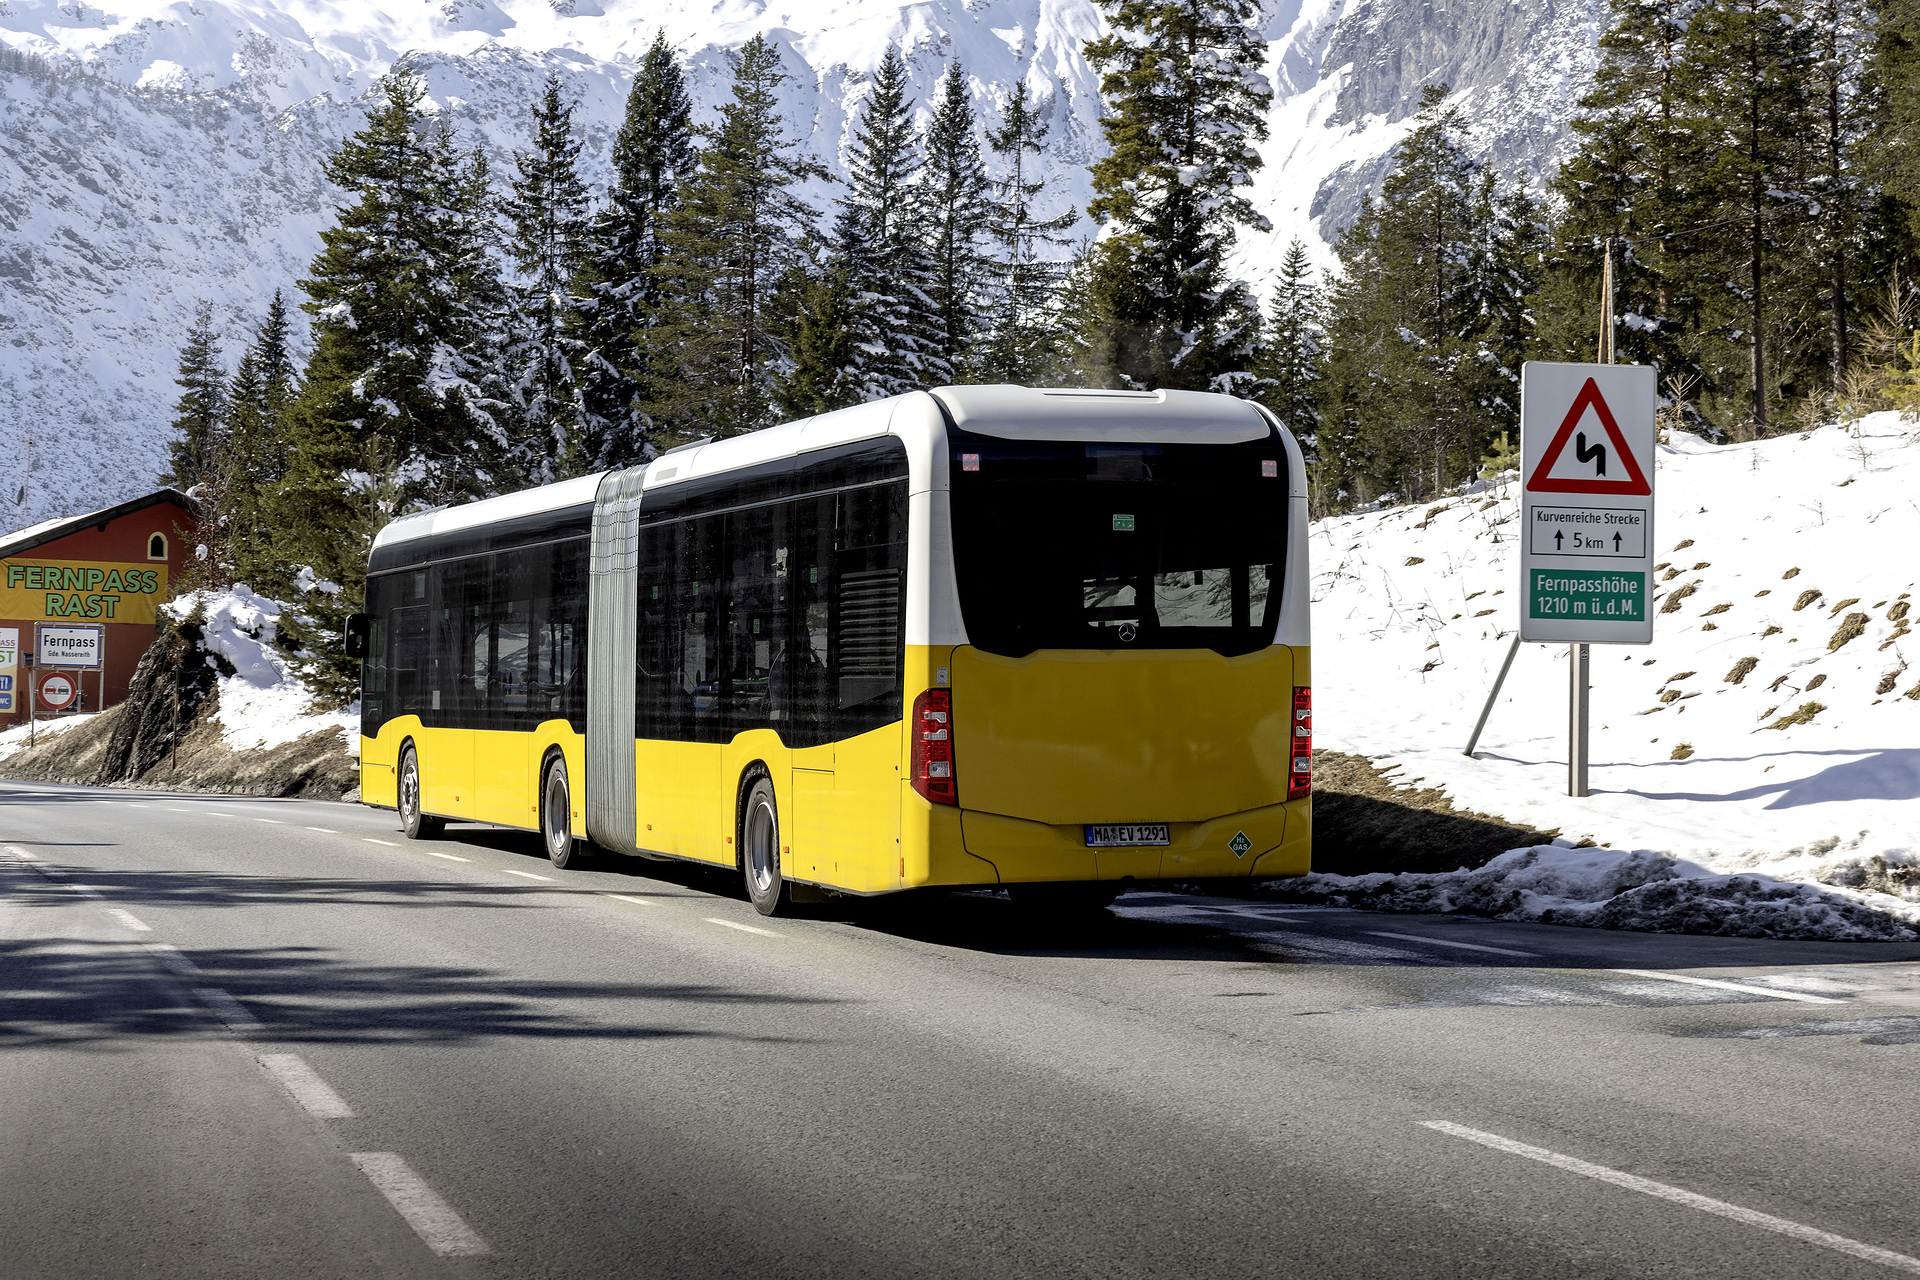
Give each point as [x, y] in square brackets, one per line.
[1126, 833]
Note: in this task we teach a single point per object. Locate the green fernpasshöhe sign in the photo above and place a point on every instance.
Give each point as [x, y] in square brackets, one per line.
[1579, 595]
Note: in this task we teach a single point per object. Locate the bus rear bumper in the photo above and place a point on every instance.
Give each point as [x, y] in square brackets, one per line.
[1272, 841]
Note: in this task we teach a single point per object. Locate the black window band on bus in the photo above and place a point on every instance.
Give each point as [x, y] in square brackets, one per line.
[521, 531]
[779, 613]
[480, 641]
[1114, 545]
[843, 466]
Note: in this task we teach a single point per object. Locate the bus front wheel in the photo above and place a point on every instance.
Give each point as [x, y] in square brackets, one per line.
[556, 817]
[413, 821]
[760, 849]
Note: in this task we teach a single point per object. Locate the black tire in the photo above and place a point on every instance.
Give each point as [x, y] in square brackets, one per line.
[413, 821]
[760, 850]
[556, 817]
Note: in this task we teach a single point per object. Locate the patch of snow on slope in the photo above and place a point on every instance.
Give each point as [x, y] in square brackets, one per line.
[15, 739]
[1791, 700]
[261, 705]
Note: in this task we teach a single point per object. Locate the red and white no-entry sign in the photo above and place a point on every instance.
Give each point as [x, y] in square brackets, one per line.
[57, 690]
[1586, 502]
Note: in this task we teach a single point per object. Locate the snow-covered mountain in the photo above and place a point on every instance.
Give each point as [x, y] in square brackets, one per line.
[155, 152]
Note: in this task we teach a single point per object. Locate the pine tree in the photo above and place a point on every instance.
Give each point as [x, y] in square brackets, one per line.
[258, 446]
[957, 207]
[1746, 73]
[1405, 368]
[652, 153]
[882, 232]
[199, 414]
[404, 296]
[1629, 182]
[736, 233]
[1024, 341]
[1295, 347]
[1846, 99]
[1185, 105]
[548, 213]
[819, 377]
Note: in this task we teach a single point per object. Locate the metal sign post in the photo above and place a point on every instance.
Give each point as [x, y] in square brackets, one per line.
[1586, 512]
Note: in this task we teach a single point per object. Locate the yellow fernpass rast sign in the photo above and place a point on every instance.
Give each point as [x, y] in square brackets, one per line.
[48, 590]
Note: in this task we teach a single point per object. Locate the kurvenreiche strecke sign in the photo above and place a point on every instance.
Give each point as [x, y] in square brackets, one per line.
[48, 590]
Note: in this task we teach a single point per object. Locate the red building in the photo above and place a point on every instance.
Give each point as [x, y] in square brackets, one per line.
[87, 581]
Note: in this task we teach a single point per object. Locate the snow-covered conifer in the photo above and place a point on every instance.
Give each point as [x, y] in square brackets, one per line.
[1186, 104]
[199, 419]
[957, 208]
[547, 211]
[652, 153]
[1024, 336]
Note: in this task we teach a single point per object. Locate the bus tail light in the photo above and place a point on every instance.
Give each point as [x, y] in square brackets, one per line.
[1300, 767]
[933, 747]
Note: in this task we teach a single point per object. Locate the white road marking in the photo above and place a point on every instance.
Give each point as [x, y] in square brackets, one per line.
[744, 928]
[528, 874]
[370, 840]
[431, 1218]
[1340, 947]
[450, 857]
[1732, 986]
[129, 919]
[229, 1010]
[1442, 942]
[1692, 1200]
[222, 814]
[171, 809]
[306, 1086]
[275, 821]
[169, 955]
[21, 854]
[638, 902]
[328, 830]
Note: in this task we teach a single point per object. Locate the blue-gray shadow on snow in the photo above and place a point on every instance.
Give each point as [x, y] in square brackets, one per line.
[1887, 773]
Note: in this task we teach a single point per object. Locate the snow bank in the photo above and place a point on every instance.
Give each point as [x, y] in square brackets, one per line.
[15, 739]
[261, 704]
[1767, 742]
[1610, 889]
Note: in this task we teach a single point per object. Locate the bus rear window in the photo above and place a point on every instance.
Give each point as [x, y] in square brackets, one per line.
[1071, 545]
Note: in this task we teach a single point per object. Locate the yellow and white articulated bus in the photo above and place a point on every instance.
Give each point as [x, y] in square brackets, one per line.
[978, 636]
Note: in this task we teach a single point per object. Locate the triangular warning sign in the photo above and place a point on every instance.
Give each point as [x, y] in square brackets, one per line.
[1631, 482]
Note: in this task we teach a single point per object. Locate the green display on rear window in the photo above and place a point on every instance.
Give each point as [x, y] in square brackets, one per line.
[1583, 596]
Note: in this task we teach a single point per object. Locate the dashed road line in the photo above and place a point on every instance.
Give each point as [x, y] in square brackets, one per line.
[172, 957]
[627, 897]
[450, 857]
[229, 1011]
[370, 840]
[1692, 1200]
[1443, 942]
[324, 830]
[275, 821]
[527, 874]
[129, 919]
[431, 1218]
[306, 1086]
[744, 928]
[1732, 986]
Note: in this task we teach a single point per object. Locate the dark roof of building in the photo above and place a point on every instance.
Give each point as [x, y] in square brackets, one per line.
[52, 530]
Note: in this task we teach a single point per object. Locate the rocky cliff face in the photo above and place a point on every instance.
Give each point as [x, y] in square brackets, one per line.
[154, 153]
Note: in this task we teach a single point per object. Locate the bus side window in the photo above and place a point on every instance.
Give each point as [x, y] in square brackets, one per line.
[652, 618]
[755, 613]
[807, 713]
[556, 666]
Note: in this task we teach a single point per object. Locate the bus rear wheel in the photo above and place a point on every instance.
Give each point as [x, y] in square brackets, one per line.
[760, 850]
[556, 817]
[414, 823]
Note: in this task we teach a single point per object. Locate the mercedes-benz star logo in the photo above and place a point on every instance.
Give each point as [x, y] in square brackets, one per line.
[1127, 633]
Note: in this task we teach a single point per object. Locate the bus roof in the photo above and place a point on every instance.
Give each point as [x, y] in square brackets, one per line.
[508, 506]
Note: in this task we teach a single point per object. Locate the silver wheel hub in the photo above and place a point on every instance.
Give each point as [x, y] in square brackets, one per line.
[761, 859]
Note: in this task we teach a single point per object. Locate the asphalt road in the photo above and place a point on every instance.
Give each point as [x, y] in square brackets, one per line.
[273, 1038]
